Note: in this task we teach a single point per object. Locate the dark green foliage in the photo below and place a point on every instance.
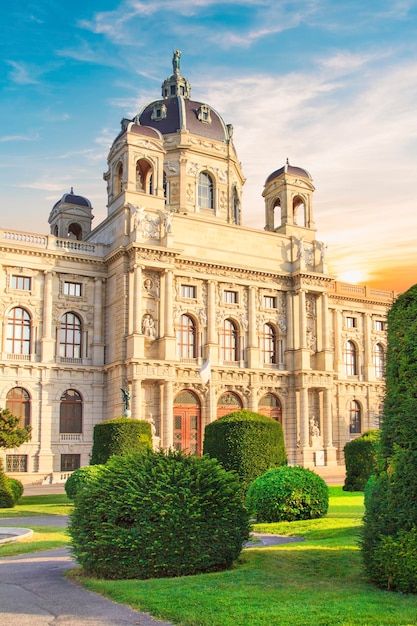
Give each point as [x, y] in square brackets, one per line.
[389, 544]
[159, 515]
[81, 479]
[119, 436]
[286, 494]
[7, 500]
[246, 442]
[12, 435]
[16, 488]
[360, 459]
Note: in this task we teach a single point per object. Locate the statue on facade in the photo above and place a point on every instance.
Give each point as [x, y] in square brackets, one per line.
[126, 399]
[176, 61]
[148, 326]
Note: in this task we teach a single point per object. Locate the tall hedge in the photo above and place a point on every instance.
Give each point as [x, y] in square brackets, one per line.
[389, 538]
[248, 443]
[119, 436]
[360, 459]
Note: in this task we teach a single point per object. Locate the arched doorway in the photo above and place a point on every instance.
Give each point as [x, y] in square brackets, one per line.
[187, 422]
[270, 406]
[228, 403]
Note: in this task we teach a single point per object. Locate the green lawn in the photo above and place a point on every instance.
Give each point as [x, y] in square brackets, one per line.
[56, 504]
[319, 581]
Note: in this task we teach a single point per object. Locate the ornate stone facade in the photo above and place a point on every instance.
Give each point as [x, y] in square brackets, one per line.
[171, 280]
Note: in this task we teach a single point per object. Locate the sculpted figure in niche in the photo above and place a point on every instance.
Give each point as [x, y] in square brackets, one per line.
[314, 426]
[148, 326]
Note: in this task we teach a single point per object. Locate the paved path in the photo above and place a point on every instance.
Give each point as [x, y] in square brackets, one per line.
[34, 592]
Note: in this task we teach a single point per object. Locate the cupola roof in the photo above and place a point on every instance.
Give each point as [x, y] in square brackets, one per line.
[289, 169]
[72, 198]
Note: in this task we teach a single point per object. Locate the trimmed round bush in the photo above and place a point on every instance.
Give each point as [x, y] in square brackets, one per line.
[246, 442]
[81, 479]
[360, 459]
[159, 515]
[120, 436]
[16, 488]
[286, 494]
[7, 500]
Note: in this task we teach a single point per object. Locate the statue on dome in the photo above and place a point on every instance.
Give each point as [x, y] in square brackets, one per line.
[176, 61]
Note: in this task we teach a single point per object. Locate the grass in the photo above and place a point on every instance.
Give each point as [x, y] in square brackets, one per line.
[319, 581]
[56, 504]
[44, 538]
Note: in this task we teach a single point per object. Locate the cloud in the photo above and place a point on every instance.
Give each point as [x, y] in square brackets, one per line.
[22, 74]
[8, 138]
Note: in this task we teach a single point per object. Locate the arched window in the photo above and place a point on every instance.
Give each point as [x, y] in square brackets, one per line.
[277, 211]
[186, 338]
[71, 412]
[18, 403]
[18, 334]
[379, 360]
[236, 206]
[299, 212]
[350, 357]
[270, 406]
[229, 340]
[70, 336]
[229, 402]
[269, 344]
[355, 417]
[144, 179]
[166, 186]
[205, 191]
[75, 231]
[118, 183]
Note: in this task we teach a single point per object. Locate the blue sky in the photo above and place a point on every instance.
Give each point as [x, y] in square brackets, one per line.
[332, 85]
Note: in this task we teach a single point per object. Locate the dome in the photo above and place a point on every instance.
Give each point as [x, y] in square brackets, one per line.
[289, 169]
[180, 113]
[71, 198]
[175, 111]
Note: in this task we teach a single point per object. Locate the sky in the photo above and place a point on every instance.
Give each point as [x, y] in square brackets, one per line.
[329, 84]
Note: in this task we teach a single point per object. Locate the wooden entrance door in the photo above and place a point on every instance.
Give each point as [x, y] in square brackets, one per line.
[187, 416]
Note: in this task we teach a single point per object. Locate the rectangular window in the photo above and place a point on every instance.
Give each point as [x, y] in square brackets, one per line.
[230, 297]
[72, 289]
[21, 282]
[379, 325]
[188, 291]
[270, 302]
[16, 463]
[70, 462]
[351, 322]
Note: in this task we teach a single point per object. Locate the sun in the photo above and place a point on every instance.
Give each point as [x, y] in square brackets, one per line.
[352, 276]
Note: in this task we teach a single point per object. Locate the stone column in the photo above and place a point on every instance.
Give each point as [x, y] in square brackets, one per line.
[137, 299]
[327, 419]
[302, 318]
[304, 434]
[211, 312]
[168, 415]
[136, 404]
[325, 321]
[368, 365]
[169, 327]
[98, 341]
[47, 340]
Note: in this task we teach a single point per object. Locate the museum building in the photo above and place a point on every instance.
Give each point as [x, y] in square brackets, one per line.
[171, 311]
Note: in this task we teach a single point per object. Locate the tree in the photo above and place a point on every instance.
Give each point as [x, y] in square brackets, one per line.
[12, 435]
[389, 537]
